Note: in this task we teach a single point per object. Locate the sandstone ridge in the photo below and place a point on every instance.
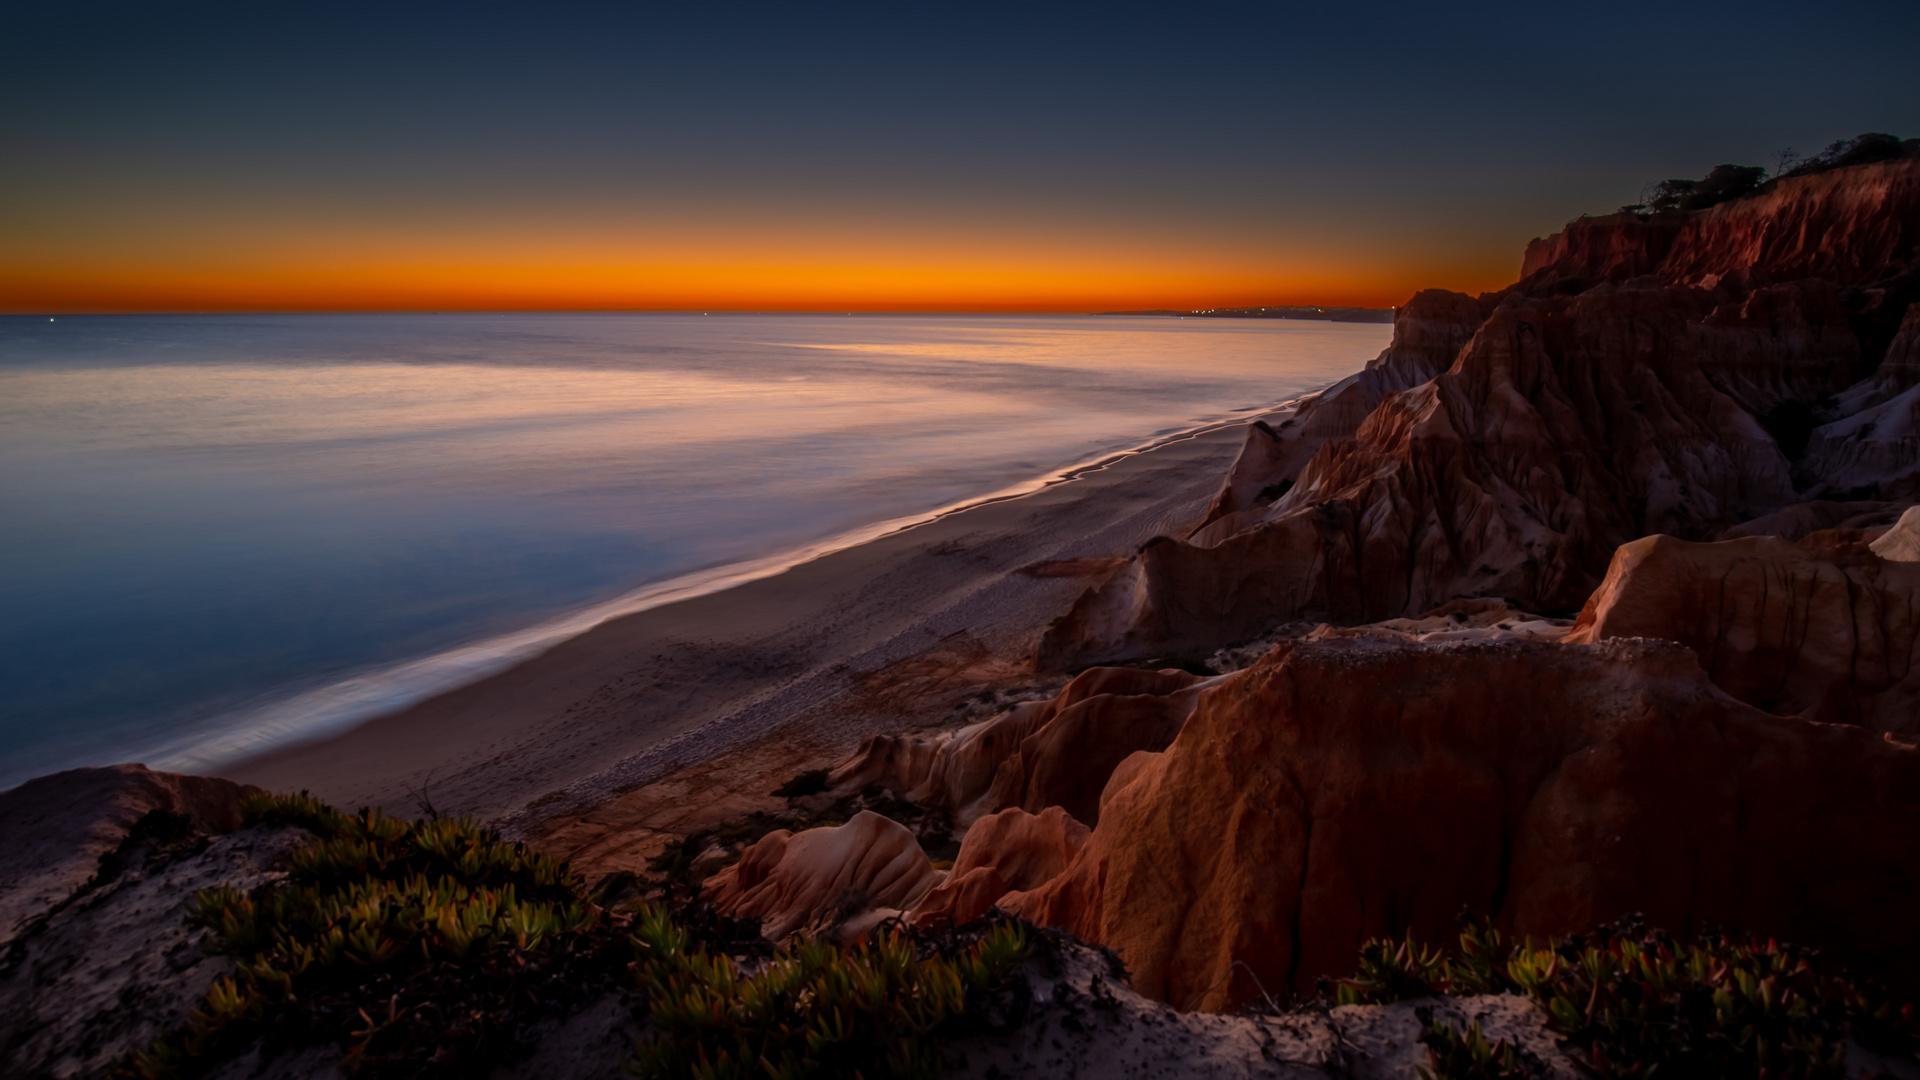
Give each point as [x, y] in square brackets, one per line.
[1676, 374]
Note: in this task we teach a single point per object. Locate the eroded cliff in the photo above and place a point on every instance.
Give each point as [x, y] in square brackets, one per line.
[1678, 373]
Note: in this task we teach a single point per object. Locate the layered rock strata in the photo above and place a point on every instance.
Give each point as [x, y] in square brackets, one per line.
[1005, 852]
[825, 879]
[1360, 785]
[1830, 634]
[1056, 752]
[1679, 373]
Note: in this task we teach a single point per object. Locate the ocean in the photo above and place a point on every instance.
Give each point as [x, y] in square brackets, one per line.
[223, 533]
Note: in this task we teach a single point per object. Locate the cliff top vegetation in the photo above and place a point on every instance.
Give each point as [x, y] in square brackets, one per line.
[1725, 183]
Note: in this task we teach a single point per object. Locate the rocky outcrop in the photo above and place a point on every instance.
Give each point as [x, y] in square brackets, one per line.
[1056, 752]
[1901, 543]
[1849, 226]
[110, 970]
[1803, 519]
[1592, 250]
[1085, 1023]
[1428, 332]
[54, 829]
[1675, 373]
[1565, 428]
[1778, 344]
[1359, 785]
[1004, 852]
[836, 881]
[1831, 635]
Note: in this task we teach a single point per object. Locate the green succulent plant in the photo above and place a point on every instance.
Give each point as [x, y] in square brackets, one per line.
[1631, 1002]
[877, 1010]
[375, 913]
[423, 949]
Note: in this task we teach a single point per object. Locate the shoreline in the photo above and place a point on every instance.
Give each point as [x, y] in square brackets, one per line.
[287, 722]
[642, 694]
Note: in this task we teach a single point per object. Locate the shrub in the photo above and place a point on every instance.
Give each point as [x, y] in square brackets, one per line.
[413, 945]
[1864, 149]
[1628, 1001]
[429, 948]
[1391, 971]
[1466, 1055]
[1724, 184]
[877, 1010]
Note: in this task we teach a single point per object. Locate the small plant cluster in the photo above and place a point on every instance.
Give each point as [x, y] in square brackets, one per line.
[877, 1010]
[432, 948]
[1628, 1001]
[1453, 1054]
[421, 947]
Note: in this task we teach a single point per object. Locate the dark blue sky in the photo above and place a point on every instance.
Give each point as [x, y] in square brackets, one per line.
[1260, 150]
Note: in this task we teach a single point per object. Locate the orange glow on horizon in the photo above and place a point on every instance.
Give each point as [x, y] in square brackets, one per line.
[461, 286]
[259, 259]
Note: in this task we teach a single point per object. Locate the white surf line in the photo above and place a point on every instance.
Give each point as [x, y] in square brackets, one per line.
[347, 703]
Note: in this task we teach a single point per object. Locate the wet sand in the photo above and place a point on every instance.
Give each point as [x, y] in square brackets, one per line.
[856, 641]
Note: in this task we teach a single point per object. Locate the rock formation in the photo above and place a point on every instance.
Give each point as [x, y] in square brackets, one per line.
[822, 879]
[1901, 543]
[1002, 853]
[1678, 373]
[1056, 752]
[1356, 785]
[1428, 332]
[1802, 519]
[99, 870]
[1830, 635]
[53, 829]
[1876, 439]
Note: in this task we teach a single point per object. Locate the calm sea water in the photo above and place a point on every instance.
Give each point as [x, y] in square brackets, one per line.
[221, 532]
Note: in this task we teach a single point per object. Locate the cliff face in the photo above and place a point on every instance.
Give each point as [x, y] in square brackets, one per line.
[1849, 226]
[1748, 372]
[1679, 373]
[1826, 632]
[1357, 786]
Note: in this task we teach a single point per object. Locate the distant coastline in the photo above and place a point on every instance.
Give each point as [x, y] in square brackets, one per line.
[1324, 314]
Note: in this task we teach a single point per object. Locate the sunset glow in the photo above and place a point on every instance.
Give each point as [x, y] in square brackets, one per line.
[224, 156]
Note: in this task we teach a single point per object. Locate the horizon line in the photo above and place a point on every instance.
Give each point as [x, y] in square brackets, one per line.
[53, 313]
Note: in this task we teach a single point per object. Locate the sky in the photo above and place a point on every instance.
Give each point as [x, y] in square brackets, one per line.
[209, 155]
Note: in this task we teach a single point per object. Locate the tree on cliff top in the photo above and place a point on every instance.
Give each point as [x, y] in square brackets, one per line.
[1724, 184]
[1874, 146]
[1728, 182]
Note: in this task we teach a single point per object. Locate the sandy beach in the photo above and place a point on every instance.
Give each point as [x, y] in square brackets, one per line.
[781, 673]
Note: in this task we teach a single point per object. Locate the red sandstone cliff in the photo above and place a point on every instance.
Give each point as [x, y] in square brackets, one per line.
[1849, 226]
[1828, 633]
[1678, 373]
[1356, 786]
[1748, 372]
